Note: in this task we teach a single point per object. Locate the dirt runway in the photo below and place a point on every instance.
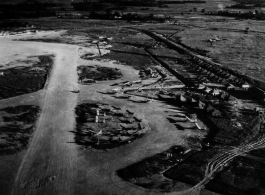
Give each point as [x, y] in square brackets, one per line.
[51, 153]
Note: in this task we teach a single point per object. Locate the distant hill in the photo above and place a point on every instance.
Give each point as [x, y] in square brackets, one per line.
[41, 1]
[249, 1]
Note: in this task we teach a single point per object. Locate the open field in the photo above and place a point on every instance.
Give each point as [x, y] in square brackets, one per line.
[116, 107]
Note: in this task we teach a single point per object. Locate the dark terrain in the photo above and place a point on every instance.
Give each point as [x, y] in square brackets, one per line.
[92, 74]
[105, 127]
[17, 127]
[22, 80]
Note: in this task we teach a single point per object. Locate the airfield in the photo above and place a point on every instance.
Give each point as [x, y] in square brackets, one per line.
[112, 107]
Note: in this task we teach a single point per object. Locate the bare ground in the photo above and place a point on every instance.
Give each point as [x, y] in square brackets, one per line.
[53, 163]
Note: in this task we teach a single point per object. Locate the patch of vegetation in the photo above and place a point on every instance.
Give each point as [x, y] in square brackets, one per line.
[13, 24]
[45, 40]
[104, 127]
[25, 79]
[148, 173]
[91, 74]
[17, 127]
[130, 56]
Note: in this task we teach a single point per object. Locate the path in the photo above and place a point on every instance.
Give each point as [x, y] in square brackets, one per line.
[48, 162]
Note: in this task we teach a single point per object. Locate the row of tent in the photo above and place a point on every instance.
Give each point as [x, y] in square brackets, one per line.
[221, 73]
[214, 72]
[201, 104]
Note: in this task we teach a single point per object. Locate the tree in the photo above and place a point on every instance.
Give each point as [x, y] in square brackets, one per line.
[203, 11]
[129, 17]
[151, 16]
[109, 13]
[117, 14]
[247, 30]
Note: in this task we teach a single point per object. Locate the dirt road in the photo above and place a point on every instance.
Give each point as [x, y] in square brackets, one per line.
[51, 154]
